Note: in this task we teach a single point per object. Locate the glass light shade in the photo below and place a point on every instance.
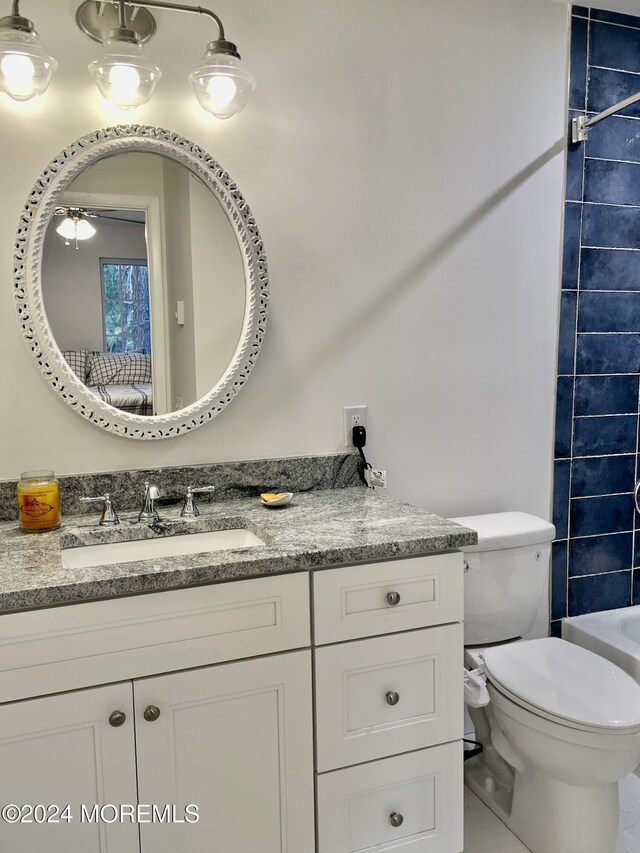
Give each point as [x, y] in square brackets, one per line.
[221, 85]
[75, 229]
[26, 66]
[125, 74]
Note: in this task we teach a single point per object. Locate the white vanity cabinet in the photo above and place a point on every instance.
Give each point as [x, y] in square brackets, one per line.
[234, 738]
[389, 706]
[204, 697]
[63, 750]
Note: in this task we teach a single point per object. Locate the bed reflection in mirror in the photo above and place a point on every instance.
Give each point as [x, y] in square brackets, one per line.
[144, 283]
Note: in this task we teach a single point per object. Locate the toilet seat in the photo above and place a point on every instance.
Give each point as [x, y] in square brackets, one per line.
[565, 684]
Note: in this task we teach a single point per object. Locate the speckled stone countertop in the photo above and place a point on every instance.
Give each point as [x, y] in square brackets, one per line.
[323, 528]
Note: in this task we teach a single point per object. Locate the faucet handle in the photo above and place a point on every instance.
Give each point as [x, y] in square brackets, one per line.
[190, 508]
[108, 517]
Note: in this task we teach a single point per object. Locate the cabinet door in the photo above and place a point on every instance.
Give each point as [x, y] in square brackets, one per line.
[62, 750]
[236, 741]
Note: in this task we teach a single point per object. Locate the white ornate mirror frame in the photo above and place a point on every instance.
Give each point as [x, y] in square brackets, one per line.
[27, 272]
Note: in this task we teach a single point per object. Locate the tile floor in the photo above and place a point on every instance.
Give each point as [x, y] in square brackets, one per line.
[485, 833]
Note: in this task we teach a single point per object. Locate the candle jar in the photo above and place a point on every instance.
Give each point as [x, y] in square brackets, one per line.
[38, 501]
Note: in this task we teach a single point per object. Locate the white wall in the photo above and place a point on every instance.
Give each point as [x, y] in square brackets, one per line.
[218, 287]
[179, 275]
[404, 163]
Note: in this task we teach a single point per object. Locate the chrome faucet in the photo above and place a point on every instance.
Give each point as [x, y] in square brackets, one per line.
[148, 513]
[108, 517]
[190, 508]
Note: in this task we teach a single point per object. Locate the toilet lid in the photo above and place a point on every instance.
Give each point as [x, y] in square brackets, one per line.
[566, 682]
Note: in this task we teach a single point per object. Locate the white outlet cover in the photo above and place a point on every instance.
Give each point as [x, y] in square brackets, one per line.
[353, 416]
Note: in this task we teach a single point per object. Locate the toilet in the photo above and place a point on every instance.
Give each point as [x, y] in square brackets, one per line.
[562, 725]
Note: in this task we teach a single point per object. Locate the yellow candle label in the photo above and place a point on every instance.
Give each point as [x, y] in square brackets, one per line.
[39, 506]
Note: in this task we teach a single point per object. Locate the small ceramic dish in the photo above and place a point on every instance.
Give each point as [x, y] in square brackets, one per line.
[278, 499]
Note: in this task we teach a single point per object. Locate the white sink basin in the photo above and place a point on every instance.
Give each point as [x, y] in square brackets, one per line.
[149, 549]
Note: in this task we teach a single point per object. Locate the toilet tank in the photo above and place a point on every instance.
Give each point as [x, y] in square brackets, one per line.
[506, 575]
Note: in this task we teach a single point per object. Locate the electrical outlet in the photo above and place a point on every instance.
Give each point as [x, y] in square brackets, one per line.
[353, 416]
[375, 478]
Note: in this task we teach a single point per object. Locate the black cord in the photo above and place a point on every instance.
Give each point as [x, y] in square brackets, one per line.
[476, 749]
[365, 466]
[359, 436]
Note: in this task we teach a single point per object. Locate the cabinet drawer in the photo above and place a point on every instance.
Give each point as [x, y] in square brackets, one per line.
[387, 695]
[422, 791]
[358, 601]
[65, 648]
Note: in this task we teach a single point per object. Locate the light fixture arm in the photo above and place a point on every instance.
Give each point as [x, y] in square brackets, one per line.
[16, 22]
[580, 125]
[176, 7]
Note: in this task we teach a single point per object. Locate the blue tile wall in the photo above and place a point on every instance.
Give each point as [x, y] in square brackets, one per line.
[611, 183]
[607, 514]
[599, 592]
[609, 269]
[607, 87]
[596, 556]
[602, 475]
[607, 434]
[606, 395]
[578, 72]
[617, 140]
[609, 312]
[607, 226]
[607, 354]
[571, 249]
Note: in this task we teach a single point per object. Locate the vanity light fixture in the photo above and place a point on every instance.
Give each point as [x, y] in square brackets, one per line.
[125, 74]
[26, 66]
[75, 226]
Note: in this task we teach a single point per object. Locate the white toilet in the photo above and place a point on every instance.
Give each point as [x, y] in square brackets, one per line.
[563, 724]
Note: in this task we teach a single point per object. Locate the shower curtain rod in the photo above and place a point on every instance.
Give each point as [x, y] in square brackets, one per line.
[581, 125]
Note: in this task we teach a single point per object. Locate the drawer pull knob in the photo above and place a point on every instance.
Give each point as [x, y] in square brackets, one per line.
[393, 598]
[117, 719]
[396, 819]
[151, 713]
[392, 699]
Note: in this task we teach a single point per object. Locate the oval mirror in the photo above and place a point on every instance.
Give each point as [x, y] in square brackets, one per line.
[141, 282]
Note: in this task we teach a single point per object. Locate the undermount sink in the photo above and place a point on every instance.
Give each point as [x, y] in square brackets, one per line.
[86, 556]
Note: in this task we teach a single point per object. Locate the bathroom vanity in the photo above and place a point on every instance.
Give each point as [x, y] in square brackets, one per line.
[302, 695]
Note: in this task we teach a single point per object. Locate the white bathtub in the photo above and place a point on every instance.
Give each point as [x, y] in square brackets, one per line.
[613, 634]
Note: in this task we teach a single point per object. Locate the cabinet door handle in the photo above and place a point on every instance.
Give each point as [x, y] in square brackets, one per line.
[117, 719]
[392, 698]
[396, 819]
[393, 599]
[151, 713]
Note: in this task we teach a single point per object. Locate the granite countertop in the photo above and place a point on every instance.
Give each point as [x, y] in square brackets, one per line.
[329, 527]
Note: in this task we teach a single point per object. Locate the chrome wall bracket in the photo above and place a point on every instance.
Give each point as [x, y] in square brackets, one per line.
[97, 18]
[578, 129]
